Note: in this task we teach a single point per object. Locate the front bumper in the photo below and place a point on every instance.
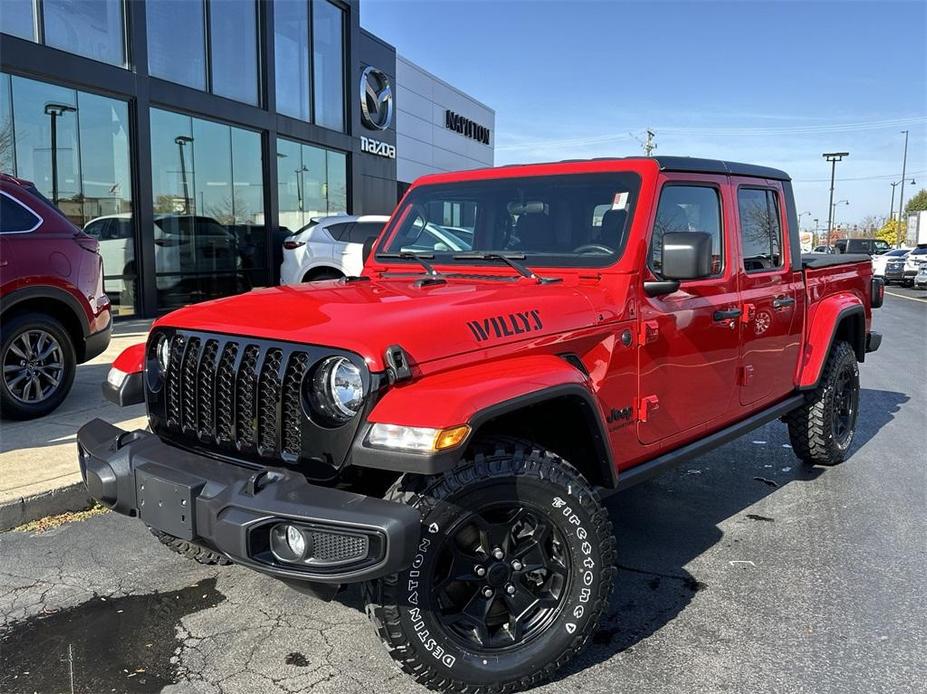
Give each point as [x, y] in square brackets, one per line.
[233, 509]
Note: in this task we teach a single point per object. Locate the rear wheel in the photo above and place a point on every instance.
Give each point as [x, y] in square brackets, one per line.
[513, 571]
[38, 362]
[822, 430]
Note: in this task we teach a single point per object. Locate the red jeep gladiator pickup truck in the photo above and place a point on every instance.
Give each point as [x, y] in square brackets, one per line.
[523, 341]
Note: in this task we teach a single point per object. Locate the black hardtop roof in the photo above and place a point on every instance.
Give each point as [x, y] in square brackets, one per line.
[694, 165]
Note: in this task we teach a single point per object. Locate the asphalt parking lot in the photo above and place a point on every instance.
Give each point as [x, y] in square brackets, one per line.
[740, 571]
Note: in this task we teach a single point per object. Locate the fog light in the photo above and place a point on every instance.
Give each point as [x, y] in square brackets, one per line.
[116, 377]
[296, 541]
[287, 543]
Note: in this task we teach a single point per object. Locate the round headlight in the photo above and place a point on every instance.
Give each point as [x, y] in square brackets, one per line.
[337, 390]
[163, 351]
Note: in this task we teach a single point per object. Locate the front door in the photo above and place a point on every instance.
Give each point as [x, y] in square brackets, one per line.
[770, 292]
[689, 340]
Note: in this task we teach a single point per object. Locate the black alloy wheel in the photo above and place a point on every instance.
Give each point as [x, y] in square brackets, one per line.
[503, 573]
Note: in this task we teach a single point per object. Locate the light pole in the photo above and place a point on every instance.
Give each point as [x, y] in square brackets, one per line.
[891, 209]
[54, 111]
[182, 141]
[815, 239]
[800, 215]
[833, 215]
[833, 158]
[904, 170]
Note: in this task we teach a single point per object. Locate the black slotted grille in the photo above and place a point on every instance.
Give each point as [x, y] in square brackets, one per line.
[292, 409]
[269, 401]
[244, 398]
[245, 391]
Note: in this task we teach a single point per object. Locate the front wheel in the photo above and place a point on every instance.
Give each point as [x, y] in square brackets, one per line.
[512, 574]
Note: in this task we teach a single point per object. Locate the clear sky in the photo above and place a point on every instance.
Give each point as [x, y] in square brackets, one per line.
[773, 83]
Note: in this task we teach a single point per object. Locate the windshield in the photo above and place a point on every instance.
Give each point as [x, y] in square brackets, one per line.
[575, 219]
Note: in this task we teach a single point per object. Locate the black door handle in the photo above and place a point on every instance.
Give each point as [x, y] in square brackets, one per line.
[728, 314]
[783, 301]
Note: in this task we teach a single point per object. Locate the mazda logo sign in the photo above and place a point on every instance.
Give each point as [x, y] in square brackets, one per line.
[376, 98]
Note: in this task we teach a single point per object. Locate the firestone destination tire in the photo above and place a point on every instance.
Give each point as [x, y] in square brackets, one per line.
[190, 550]
[822, 429]
[513, 572]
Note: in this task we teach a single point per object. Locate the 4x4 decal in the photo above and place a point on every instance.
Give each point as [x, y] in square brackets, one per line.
[506, 326]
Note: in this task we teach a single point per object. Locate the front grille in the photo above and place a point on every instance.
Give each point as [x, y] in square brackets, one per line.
[236, 395]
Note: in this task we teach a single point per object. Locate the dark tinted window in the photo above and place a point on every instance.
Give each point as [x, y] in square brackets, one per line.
[363, 231]
[233, 44]
[688, 208]
[339, 232]
[760, 230]
[14, 217]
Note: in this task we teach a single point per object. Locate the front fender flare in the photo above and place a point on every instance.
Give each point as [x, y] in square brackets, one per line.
[474, 395]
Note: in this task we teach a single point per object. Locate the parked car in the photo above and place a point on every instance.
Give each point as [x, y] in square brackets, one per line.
[442, 428]
[879, 262]
[920, 279]
[328, 248]
[54, 313]
[867, 246]
[823, 249]
[894, 268]
[912, 264]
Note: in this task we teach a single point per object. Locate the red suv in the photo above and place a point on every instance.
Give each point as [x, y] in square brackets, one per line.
[54, 313]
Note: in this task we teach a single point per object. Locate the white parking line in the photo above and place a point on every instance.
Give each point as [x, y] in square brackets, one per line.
[909, 298]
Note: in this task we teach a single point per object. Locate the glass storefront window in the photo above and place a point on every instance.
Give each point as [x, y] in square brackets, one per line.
[91, 28]
[210, 237]
[291, 58]
[93, 186]
[233, 46]
[312, 182]
[17, 18]
[328, 64]
[177, 42]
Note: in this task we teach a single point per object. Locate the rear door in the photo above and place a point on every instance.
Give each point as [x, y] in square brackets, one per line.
[769, 291]
[689, 340]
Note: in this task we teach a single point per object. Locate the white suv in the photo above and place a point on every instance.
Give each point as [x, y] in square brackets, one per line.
[912, 264]
[328, 248]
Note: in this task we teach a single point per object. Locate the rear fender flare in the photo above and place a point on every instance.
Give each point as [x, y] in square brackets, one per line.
[840, 315]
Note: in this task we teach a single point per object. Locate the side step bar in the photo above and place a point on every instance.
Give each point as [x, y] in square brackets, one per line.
[651, 468]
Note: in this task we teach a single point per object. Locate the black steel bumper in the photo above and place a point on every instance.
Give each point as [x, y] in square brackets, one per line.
[233, 509]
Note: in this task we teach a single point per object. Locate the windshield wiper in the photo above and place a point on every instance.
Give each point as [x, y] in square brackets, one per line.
[433, 276]
[510, 259]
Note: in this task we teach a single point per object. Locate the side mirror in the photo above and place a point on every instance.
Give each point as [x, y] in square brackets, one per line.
[686, 256]
[368, 247]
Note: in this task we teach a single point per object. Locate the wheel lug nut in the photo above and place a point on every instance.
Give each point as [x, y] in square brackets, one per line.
[498, 553]
[487, 592]
[480, 571]
[510, 589]
[516, 565]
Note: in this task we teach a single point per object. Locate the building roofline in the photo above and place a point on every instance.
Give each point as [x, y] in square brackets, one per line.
[445, 83]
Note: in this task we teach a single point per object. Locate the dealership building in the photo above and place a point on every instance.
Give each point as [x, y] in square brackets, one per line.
[192, 136]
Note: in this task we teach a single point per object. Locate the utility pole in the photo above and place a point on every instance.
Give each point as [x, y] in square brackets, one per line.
[833, 158]
[904, 170]
[650, 145]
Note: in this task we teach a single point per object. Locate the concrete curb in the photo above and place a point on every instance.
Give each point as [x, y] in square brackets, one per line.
[14, 513]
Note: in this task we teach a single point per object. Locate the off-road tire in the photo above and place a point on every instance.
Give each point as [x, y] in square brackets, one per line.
[399, 605]
[812, 426]
[10, 406]
[190, 550]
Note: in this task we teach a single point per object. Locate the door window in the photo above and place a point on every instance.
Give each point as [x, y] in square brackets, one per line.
[688, 208]
[760, 229]
[363, 231]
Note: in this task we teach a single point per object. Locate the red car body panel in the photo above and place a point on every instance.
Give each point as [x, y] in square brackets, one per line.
[131, 360]
[662, 371]
[56, 262]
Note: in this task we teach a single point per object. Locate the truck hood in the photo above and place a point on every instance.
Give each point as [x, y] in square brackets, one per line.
[366, 317]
